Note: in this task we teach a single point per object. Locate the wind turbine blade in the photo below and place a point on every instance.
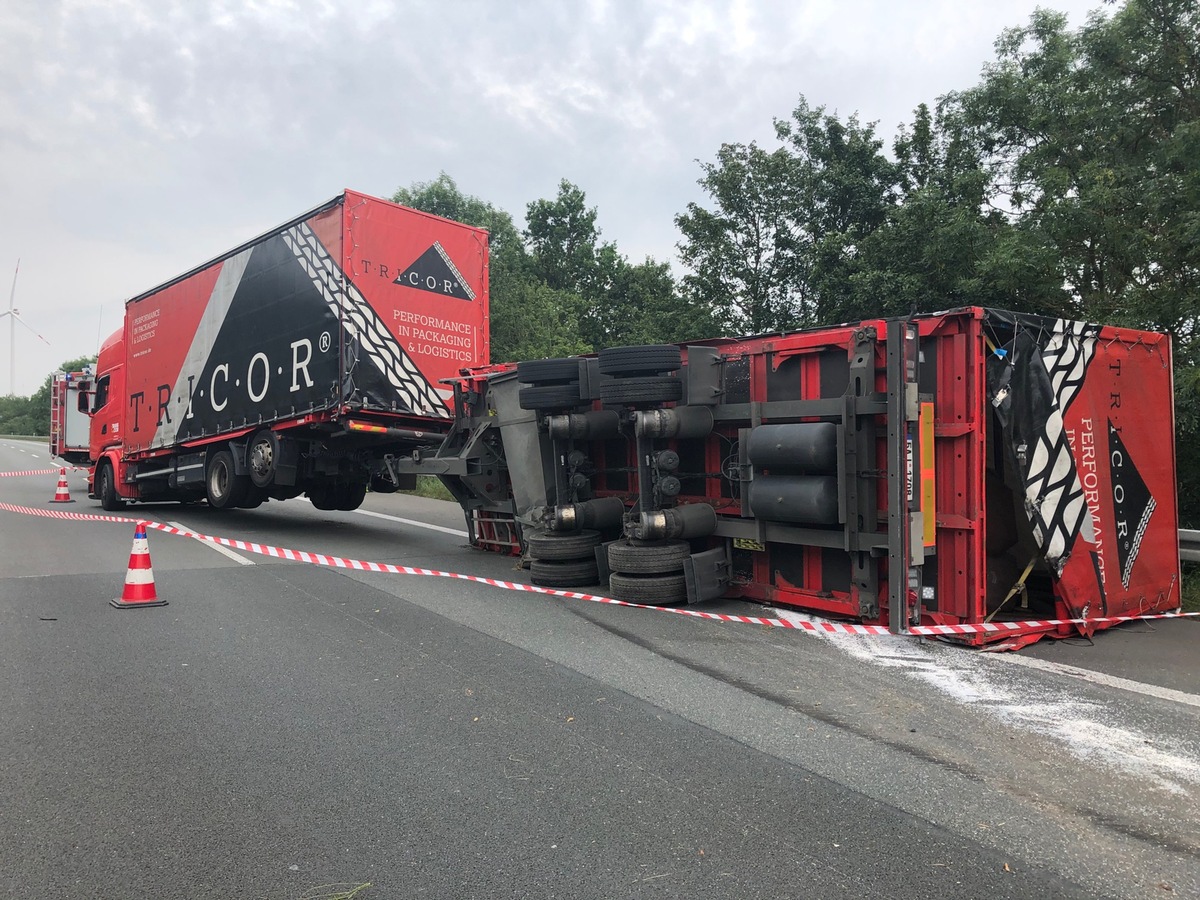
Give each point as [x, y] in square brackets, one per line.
[13, 293]
[17, 316]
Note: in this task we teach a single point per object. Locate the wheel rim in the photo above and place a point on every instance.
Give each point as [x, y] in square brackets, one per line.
[218, 480]
[262, 460]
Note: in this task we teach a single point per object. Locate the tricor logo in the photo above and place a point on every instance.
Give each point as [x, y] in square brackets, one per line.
[435, 272]
[1132, 503]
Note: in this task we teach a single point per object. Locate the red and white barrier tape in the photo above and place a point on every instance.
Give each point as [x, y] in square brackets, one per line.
[31, 472]
[338, 562]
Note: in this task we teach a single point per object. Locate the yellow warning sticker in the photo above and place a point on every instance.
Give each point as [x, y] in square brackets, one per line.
[748, 544]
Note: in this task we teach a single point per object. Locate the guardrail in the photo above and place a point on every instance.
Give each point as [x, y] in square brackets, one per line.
[1189, 545]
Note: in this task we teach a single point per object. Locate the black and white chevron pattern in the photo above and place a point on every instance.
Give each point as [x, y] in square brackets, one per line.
[1053, 493]
[363, 324]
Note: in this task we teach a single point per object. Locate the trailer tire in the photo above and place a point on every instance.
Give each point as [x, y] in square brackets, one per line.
[224, 488]
[550, 396]
[322, 497]
[255, 497]
[106, 488]
[349, 497]
[564, 573]
[641, 389]
[261, 456]
[649, 359]
[548, 371]
[648, 559]
[652, 590]
[580, 545]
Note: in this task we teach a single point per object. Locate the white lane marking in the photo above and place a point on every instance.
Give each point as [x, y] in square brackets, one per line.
[224, 551]
[1088, 730]
[1125, 684]
[442, 528]
[376, 515]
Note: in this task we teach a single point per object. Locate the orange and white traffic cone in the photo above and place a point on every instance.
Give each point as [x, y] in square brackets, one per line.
[139, 579]
[63, 494]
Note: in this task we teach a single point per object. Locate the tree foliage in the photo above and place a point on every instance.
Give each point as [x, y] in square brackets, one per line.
[31, 415]
[556, 288]
[1065, 183]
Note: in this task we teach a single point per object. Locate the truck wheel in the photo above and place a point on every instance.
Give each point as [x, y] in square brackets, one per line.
[224, 488]
[563, 546]
[661, 559]
[641, 389]
[653, 590]
[349, 497]
[106, 488]
[261, 457]
[548, 371]
[255, 497]
[550, 396]
[649, 359]
[323, 496]
[575, 573]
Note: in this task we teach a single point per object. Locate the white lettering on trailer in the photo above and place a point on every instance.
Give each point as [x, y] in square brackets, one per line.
[299, 365]
[223, 368]
[199, 351]
[256, 397]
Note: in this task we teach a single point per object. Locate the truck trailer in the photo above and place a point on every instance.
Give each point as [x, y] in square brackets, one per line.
[966, 468]
[303, 361]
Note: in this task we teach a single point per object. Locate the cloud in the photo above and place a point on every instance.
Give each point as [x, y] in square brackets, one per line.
[139, 138]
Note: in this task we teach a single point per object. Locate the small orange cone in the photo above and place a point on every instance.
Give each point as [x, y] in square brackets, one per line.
[62, 495]
[139, 579]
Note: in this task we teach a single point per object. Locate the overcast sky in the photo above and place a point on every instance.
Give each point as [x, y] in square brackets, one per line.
[139, 138]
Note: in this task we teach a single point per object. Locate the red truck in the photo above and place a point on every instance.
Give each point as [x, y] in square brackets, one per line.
[306, 360]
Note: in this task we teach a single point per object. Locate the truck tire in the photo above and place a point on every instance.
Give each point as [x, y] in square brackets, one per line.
[224, 488]
[255, 497]
[106, 488]
[648, 559]
[648, 359]
[564, 573]
[323, 496]
[349, 497]
[261, 457]
[652, 590]
[550, 396]
[563, 546]
[641, 389]
[548, 371]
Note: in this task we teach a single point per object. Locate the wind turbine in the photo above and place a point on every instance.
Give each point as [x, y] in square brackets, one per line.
[14, 316]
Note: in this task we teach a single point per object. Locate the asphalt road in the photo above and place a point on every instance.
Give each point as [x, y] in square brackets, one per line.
[281, 726]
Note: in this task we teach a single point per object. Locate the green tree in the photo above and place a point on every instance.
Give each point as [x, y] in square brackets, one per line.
[845, 188]
[1093, 137]
[742, 255]
[615, 302]
[941, 245]
[784, 241]
[31, 415]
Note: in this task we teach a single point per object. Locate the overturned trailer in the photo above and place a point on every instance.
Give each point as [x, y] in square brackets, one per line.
[956, 468]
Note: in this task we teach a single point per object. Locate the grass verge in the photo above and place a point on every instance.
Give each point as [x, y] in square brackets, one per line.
[430, 486]
[1190, 594]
